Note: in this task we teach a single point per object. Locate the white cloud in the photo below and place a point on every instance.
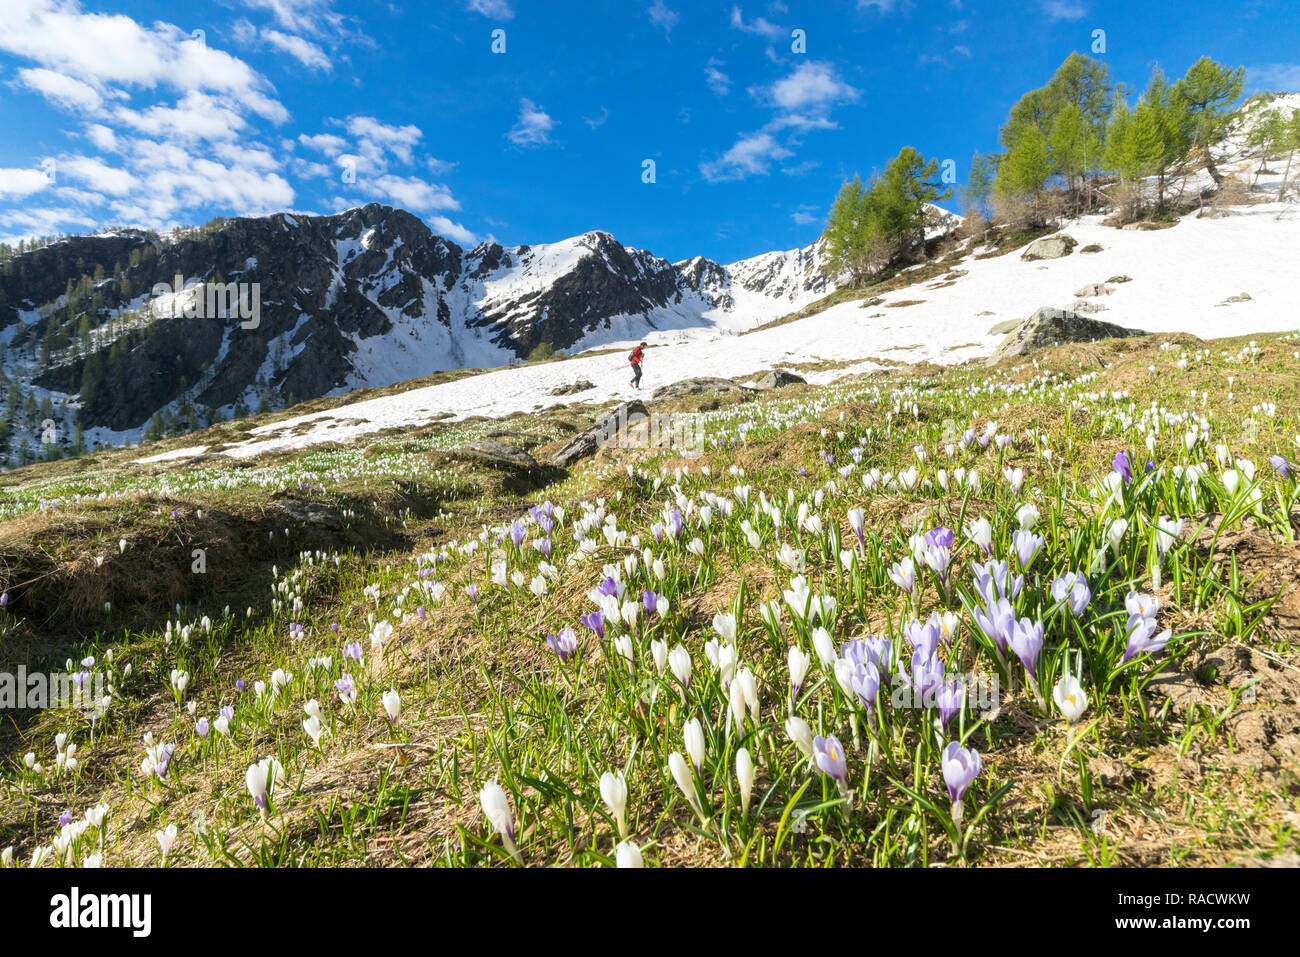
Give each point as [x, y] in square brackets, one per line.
[597, 122]
[758, 25]
[17, 183]
[105, 50]
[304, 51]
[196, 118]
[101, 137]
[813, 85]
[97, 173]
[805, 216]
[453, 231]
[751, 154]
[375, 135]
[42, 222]
[662, 16]
[1064, 9]
[64, 90]
[1277, 77]
[533, 127]
[802, 101]
[326, 143]
[718, 81]
[496, 9]
[415, 194]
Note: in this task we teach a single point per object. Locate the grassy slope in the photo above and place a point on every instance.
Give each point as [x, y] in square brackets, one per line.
[1197, 766]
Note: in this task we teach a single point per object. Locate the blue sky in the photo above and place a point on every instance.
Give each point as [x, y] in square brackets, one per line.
[158, 114]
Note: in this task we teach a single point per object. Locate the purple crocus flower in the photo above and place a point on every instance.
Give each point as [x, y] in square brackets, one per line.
[650, 601]
[926, 678]
[545, 522]
[596, 622]
[997, 623]
[228, 712]
[517, 532]
[961, 766]
[940, 537]
[565, 644]
[1026, 640]
[675, 517]
[1141, 639]
[657, 530]
[924, 639]
[472, 592]
[65, 818]
[608, 587]
[994, 581]
[1073, 588]
[422, 614]
[354, 652]
[334, 627]
[1026, 544]
[1284, 467]
[949, 701]
[4, 600]
[346, 688]
[164, 760]
[201, 727]
[829, 755]
[863, 676]
[1149, 467]
[1121, 465]
[239, 685]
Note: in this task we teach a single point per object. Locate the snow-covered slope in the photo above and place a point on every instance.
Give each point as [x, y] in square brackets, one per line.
[1180, 281]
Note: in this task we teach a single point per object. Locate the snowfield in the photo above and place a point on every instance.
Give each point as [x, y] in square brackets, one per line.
[1180, 276]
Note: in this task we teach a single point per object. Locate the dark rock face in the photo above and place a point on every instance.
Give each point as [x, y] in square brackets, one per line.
[778, 379]
[697, 386]
[605, 433]
[1054, 327]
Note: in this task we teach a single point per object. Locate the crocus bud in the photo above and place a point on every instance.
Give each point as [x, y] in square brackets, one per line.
[628, 854]
[745, 778]
[681, 773]
[613, 791]
[694, 738]
[392, 705]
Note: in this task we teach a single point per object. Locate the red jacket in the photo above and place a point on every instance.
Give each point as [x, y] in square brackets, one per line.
[637, 354]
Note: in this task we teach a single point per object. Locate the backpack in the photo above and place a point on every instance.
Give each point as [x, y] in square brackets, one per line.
[631, 358]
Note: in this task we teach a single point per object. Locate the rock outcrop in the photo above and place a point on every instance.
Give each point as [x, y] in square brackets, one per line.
[609, 431]
[697, 386]
[1054, 327]
[1049, 247]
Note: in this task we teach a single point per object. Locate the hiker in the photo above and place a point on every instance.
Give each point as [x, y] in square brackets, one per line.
[635, 359]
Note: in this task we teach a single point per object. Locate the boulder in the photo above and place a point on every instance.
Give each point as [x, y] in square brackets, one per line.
[1049, 247]
[311, 513]
[1002, 328]
[582, 385]
[498, 455]
[698, 386]
[604, 432]
[1054, 327]
[1088, 306]
[1120, 279]
[778, 379]
[1093, 289]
